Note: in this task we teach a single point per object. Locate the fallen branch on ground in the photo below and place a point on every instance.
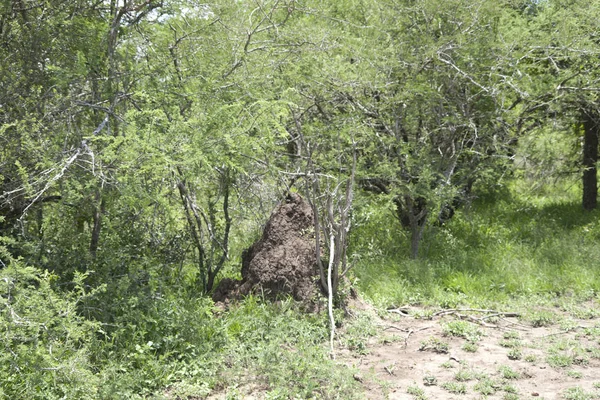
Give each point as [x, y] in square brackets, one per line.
[401, 311]
[494, 312]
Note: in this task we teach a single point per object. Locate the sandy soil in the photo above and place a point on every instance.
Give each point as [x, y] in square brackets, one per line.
[552, 362]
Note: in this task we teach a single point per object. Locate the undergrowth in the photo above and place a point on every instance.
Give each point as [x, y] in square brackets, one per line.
[502, 249]
[518, 248]
[167, 347]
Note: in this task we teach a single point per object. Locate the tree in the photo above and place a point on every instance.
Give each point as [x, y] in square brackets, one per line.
[436, 110]
[559, 58]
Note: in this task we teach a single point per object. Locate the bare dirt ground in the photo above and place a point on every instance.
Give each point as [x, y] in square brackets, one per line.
[469, 354]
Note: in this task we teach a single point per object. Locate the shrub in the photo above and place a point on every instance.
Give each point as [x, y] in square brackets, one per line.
[46, 344]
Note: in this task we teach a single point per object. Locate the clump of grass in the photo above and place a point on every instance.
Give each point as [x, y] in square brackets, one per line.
[463, 329]
[568, 325]
[581, 360]
[486, 386]
[455, 387]
[574, 374]
[577, 393]
[584, 312]
[594, 352]
[434, 344]
[592, 332]
[509, 389]
[359, 330]
[559, 360]
[447, 365]
[510, 343]
[417, 392]
[470, 347]
[429, 380]
[531, 358]
[511, 335]
[514, 354]
[390, 339]
[424, 314]
[541, 318]
[507, 372]
[567, 352]
[463, 375]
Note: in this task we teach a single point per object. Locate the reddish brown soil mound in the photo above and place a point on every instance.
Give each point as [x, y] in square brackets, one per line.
[283, 261]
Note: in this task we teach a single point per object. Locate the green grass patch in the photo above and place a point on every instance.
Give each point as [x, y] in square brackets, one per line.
[510, 343]
[514, 354]
[463, 329]
[519, 245]
[486, 386]
[507, 372]
[470, 347]
[464, 375]
[577, 393]
[175, 342]
[416, 392]
[455, 387]
[435, 345]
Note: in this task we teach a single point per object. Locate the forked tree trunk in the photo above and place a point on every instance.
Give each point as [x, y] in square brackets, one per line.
[590, 158]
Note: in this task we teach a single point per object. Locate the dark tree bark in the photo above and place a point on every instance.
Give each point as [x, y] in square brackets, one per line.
[417, 218]
[590, 158]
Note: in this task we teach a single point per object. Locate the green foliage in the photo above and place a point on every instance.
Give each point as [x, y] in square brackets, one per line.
[463, 375]
[108, 111]
[511, 335]
[416, 392]
[186, 344]
[434, 344]
[48, 346]
[510, 343]
[470, 347]
[514, 354]
[358, 332]
[463, 329]
[524, 245]
[486, 386]
[507, 372]
[577, 393]
[541, 318]
[429, 380]
[455, 387]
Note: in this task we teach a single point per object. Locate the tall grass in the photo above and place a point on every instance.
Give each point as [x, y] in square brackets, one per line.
[506, 246]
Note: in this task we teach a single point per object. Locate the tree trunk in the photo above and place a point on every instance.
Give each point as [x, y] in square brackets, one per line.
[417, 218]
[415, 239]
[97, 227]
[590, 158]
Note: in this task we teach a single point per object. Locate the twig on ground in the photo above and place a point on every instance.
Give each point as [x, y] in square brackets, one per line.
[408, 331]
[458, 312]
[390, 369]
[520, 326]
[396, 327]
[400, 311]
[496, 313]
